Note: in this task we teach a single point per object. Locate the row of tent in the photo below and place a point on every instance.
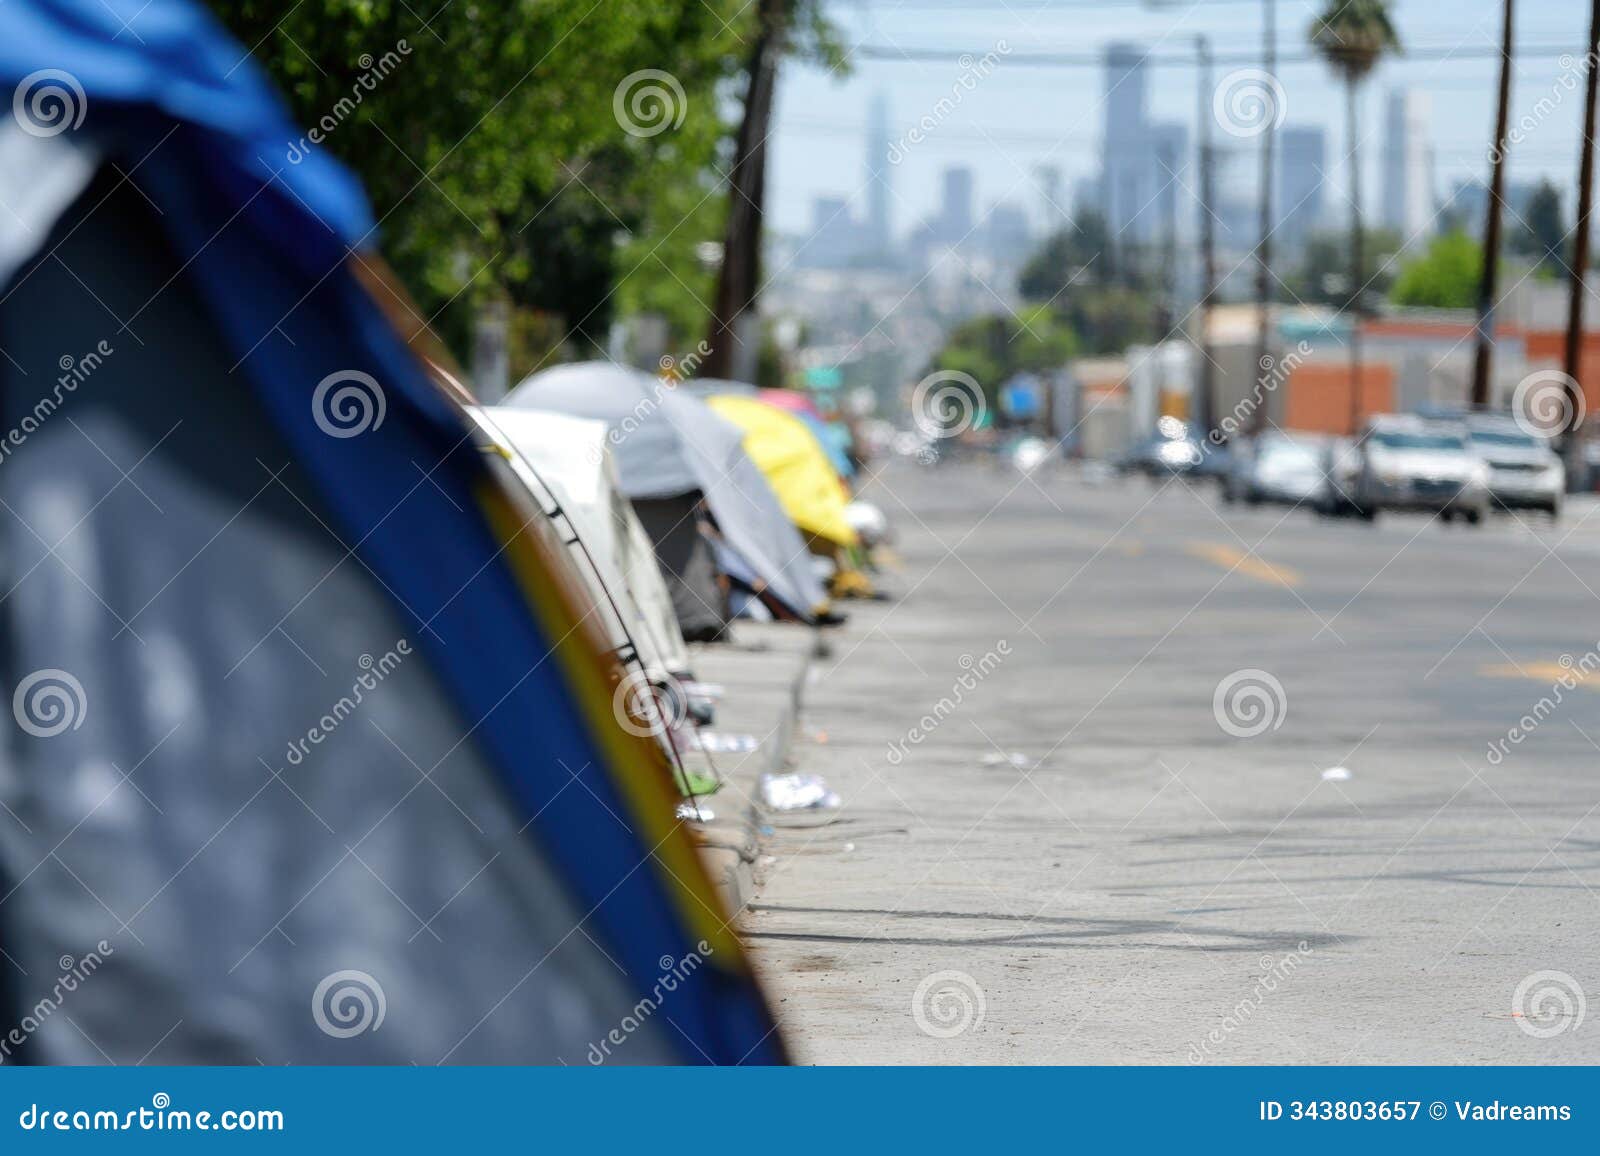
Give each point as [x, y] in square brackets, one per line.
[316, 753]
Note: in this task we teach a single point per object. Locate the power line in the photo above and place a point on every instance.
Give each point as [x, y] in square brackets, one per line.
[894, 55]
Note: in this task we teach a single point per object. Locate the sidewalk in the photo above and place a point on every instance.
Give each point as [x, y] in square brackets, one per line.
[764, 674]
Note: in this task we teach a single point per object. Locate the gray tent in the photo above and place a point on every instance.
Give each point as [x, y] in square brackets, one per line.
[669, 447]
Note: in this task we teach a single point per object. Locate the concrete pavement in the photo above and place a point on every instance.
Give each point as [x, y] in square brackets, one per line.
[1171, 875]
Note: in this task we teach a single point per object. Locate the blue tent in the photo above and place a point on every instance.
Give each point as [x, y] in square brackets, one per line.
[316, 751]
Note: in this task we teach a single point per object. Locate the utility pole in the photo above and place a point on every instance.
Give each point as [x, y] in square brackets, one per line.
[1358, 271]
[1269, 54]
[1483, 358]
[1205, 385]
[1572, 447]
[1166, 276]
[733, 315]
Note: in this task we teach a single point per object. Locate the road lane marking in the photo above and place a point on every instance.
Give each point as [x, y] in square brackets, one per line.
[1231, 558]
[1540, 672]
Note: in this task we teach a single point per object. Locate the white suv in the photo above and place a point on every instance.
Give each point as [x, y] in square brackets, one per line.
[1524, 472]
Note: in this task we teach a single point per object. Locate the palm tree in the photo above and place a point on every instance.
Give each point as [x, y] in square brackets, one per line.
[1491, 234]
[1352, 36]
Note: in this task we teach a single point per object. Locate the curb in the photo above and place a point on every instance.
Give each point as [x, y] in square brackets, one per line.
[730, 843]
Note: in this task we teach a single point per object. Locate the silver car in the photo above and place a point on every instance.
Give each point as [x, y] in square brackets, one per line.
[1275, 467]
[1408, 463]
[1524, 472]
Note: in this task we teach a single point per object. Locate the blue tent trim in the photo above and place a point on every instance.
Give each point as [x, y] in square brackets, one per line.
[268, 249]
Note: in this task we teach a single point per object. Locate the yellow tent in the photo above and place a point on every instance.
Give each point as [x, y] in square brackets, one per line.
[795, 463]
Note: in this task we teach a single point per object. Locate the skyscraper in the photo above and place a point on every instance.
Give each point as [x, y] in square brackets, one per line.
[1301, 167]
[1168, 163]
[1052, 206]
[1408, 193]
[955, 206]
[876, 230]
[1127, 165]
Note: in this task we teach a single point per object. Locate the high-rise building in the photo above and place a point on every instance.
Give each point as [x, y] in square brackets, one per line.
[955, 206]
[1008, 234]
[1126, 167]
[835, 236]
[1408, 197]
[1052, 203]
[876, 229]
[1169, 179]
[1302, 165]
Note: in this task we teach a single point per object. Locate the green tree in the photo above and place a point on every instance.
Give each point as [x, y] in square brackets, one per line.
[1542, 232]
[1322, 275]
[1444, 277]
[1078, 254]
[993, 347]
[516, 150]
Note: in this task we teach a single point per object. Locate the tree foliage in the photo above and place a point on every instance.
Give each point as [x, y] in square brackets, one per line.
[495, 147]
[992, 348]
[1446, 276]
[1322, 276]
[1542, 232]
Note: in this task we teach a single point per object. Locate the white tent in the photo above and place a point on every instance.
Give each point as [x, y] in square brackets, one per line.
[568, 458]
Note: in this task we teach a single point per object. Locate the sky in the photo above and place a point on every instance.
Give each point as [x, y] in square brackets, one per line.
[1021, 115]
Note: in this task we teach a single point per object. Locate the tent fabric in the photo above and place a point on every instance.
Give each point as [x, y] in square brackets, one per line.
[569, 457]
[791, 400]
[206, 637]
[833, 436]
[667, 444]
[673, 526]
[794, 462]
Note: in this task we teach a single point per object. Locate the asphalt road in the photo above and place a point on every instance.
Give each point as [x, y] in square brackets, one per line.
[1171, 876]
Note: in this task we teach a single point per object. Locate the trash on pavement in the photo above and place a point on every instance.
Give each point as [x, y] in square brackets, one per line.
[799, 800]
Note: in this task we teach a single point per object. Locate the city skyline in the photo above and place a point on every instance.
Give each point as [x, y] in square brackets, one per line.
[1019, 117]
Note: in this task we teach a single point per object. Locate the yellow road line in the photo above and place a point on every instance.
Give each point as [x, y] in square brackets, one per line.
[1231, 558]
[1541, 672]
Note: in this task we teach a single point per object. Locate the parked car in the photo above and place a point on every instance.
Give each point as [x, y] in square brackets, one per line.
[1524, 471]
[1274, 467]
[1410, 463]
[1341, 474]
[1172, 449]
